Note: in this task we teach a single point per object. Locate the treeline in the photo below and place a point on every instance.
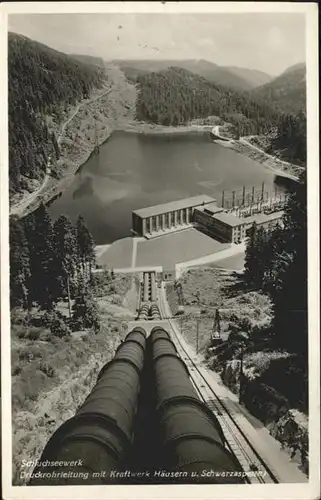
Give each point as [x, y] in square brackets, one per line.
[176, 96]
[287, 92]
[41, 82]
[290, 138]
[53, 262]
[276, 262]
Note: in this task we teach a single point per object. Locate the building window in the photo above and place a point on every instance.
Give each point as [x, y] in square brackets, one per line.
[154, 223]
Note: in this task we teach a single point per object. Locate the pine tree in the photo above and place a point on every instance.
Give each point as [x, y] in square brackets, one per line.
[262, 256]
[45, 276]
[66, 253]
[19, 264]
[250, 253]
[85, 244]
[29, 224]
[277, 260]
[290, 300]
[85, 312]
[55, 145]
[257, 256]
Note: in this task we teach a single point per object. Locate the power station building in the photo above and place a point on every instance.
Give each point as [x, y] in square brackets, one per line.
[167, 217]
[202, 213]
[218, 224]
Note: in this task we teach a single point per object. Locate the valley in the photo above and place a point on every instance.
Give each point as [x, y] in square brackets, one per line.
[105, 160]
[114, 108]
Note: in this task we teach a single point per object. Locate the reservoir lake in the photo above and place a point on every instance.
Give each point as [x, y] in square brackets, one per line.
[133, 171]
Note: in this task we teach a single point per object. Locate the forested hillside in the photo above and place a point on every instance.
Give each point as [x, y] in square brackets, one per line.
[276, 263]
[176, 96]
[287, 92]
[95, 61]
[42, 82]
[49, 262]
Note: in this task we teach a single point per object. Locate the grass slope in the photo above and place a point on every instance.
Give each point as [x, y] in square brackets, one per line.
[51, 376]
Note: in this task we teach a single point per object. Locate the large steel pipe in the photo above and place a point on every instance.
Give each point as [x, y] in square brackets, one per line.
[190, 437]
[98, 438]
[158, 332]
[153, 287]
[146, 284]
[144, 311]
[154, 310]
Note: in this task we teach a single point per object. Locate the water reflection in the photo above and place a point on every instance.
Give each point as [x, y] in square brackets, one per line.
[85, 189]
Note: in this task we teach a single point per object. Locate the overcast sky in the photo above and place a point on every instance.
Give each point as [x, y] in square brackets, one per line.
[267, 42]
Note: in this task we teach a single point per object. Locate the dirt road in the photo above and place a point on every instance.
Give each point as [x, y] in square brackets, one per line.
[285, 168]
[20, 207]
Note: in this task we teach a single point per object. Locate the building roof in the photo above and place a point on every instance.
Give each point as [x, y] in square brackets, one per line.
[212, 208]
[262, 218]
[174, 205]
[229, 219]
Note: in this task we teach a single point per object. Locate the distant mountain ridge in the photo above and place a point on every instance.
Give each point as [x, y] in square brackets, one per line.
[287, 92]
[175, 96]
[256, 77]
[298, 66]
[241, 79]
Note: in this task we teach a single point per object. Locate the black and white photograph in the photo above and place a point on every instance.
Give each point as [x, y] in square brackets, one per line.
[159, 249]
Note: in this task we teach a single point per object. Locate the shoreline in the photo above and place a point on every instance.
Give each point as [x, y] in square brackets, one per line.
[244, 146]
[150, 128]
[61, 184]
[56, 186]
[272, 163]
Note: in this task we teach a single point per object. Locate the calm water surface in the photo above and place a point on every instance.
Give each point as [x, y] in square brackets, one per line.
[134, 170]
